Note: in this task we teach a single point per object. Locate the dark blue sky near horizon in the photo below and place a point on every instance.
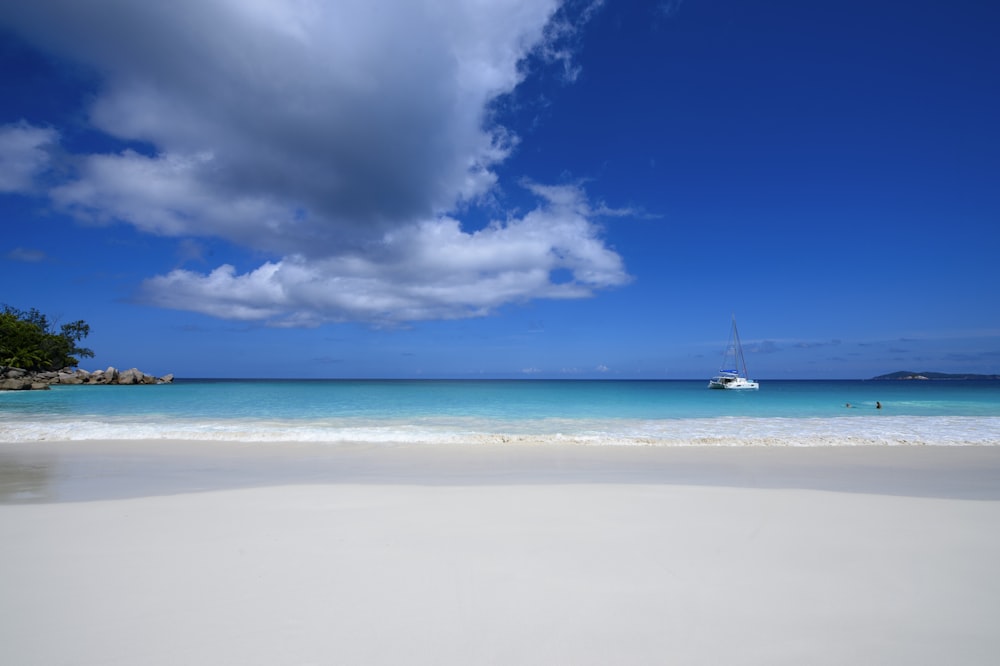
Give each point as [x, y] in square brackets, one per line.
[564, 190]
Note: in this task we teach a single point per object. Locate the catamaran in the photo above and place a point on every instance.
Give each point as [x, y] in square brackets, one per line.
[732, 361]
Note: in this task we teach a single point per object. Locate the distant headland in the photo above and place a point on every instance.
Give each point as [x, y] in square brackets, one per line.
[34, 354]
[905, 374]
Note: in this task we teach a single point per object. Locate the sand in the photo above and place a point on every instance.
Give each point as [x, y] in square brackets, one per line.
[184, 553]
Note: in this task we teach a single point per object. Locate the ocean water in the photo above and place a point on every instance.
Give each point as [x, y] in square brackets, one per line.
[387, 412]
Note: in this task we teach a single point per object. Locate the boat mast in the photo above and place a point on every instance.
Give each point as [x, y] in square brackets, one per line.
[741, 360]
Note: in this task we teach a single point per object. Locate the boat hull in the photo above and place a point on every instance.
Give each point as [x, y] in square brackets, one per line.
[733, 384]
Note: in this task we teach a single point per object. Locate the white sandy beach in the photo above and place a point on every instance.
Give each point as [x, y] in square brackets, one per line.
[173, 553]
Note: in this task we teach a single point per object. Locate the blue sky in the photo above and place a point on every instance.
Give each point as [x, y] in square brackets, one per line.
[520, 188]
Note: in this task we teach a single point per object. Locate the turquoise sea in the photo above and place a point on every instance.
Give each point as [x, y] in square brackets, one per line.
[659, 413]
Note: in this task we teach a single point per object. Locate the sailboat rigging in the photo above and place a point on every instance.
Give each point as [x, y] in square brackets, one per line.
[733, 361]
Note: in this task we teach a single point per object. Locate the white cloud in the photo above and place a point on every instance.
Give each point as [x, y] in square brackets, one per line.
[172, 195]
[23, 155]
[433, 270]
[338, 138]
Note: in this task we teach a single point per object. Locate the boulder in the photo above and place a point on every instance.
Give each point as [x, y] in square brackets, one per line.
[135, 376]
[21, 384]
[67, 378]
[130, 376]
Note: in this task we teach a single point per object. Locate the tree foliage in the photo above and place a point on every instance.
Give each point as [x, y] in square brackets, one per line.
[29, 341]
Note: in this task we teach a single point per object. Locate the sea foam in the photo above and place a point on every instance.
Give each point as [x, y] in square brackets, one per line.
[720, 431]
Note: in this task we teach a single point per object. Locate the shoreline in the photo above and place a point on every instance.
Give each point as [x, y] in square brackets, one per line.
[65, 471]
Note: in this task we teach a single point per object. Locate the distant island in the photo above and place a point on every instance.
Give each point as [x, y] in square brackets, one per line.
[905, 374]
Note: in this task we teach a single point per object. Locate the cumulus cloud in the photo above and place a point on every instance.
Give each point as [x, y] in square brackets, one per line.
[340, 139]
[431, 270]
[24, 155]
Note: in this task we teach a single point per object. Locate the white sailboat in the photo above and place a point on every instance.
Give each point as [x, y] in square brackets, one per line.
[729, 376]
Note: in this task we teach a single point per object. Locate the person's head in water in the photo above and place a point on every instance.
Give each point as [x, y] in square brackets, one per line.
[878, 405]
